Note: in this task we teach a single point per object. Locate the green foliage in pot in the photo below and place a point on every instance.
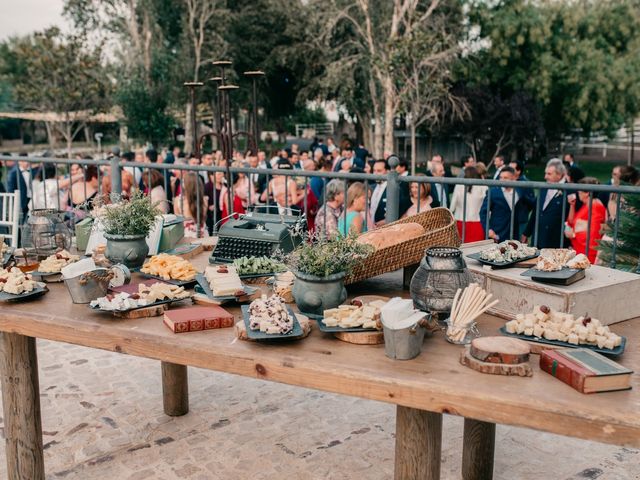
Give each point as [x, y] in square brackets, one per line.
[321, 256]
[135, 216]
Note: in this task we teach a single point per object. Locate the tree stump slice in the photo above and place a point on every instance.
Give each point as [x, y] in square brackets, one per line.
[361, 338]
[521, 369]
[503, 350]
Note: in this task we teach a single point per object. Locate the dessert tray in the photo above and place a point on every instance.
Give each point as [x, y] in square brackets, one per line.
[295, 333]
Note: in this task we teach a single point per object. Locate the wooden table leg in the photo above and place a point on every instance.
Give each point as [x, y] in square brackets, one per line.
[418, 444]
[175, 389]
[478, 450]
[21, 404]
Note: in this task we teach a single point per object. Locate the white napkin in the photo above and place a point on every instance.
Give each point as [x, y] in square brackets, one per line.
[78, 268]
[398, 313]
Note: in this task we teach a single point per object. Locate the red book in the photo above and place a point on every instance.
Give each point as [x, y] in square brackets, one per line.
[193, 319]
[585, 370]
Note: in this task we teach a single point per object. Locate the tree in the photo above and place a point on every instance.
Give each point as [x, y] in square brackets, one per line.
[421, 67]
[361, 38]
[578, 59]
[59, 74]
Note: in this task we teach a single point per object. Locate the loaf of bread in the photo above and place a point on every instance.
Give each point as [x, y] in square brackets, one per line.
[393, 235]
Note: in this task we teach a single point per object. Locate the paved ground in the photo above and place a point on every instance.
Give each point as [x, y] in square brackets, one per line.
[102, 419]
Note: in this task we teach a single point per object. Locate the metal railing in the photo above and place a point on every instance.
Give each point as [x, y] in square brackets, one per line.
[395, 187]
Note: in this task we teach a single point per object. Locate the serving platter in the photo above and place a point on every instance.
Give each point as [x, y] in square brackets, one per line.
[6, 256]
[204, 288]
[38, 291]
[180, 283]
[605, 351]
[566, 276]
[477, 256]
[294, 334]
[48, 277]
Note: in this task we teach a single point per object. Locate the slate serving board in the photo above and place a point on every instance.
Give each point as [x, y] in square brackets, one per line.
[295, 333]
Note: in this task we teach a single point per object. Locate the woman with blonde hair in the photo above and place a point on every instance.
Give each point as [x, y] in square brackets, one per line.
[353, 221]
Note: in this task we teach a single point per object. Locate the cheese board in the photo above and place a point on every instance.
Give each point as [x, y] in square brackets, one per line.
[180, 283]
[38, 291]
[295, 333]
[478, 257]
[614, 352]
[48, 277]
[204, 288]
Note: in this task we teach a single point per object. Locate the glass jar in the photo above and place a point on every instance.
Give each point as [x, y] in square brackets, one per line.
[460, 335]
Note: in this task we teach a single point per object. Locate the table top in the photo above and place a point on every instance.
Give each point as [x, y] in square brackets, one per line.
[434, 381]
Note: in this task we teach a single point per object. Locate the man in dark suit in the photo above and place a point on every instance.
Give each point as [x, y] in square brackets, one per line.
[527, 197]
[550, 202]
[378, 203]
[499, 164]
[19, 178]
[504, 203]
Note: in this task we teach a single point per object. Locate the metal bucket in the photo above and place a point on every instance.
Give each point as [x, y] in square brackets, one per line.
[88, 286]
[405, 343]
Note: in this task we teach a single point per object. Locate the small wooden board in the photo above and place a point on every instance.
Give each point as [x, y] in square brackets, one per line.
[497, 350]
[520, 369]
[142, 312]
[361, 338]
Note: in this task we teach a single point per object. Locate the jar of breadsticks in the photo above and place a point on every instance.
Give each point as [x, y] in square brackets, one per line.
[282, 285]
[468, 305]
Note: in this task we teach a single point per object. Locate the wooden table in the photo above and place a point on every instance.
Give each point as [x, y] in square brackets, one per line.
[423, 389]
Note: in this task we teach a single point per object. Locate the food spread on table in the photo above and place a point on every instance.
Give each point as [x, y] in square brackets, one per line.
[354, 315]
[147, 295]
[270, 315]
[555, 259]
[224, 280]
[56, 262]
[545, 322]
[169, 267]
[15, 282]
[508, 251]
[257, 266]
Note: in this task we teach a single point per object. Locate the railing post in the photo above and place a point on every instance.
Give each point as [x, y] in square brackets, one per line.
[116, 177]
[393, 197]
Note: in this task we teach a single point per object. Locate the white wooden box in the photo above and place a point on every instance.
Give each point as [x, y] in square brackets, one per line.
[606, 294]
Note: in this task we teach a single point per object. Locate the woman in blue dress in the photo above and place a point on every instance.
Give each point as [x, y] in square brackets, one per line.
[353, 220]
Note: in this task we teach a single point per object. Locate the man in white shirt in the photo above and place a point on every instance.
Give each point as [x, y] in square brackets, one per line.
[504, 206]
[499, 163]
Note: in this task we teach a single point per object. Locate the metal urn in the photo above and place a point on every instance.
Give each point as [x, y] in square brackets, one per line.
[441, 273]
[46, 232]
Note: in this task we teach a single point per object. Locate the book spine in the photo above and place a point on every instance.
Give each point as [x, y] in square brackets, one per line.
[563, 369]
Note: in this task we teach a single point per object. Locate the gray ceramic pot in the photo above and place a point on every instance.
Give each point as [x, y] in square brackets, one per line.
[314, 295]
[130, 250]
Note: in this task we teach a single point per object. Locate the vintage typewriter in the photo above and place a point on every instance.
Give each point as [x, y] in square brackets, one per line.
[258, 235]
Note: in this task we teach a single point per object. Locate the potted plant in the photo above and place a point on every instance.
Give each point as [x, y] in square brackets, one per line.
[126, 225]
[320, 266]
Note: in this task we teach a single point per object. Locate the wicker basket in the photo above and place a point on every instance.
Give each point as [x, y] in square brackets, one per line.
[440, 230]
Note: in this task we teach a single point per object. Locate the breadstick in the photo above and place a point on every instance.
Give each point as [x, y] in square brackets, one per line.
[480, 311]
[474, 293]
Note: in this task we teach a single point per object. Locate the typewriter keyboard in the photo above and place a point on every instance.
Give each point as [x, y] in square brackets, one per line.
[229, 248]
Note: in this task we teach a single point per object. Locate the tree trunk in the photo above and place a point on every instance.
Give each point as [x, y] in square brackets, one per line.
[188, 129]
[69, 137]
[389, 114]
[414, 149]
[50, 135]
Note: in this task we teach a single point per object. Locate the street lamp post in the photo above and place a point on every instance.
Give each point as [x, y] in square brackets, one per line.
[194, 124]
[254, 75]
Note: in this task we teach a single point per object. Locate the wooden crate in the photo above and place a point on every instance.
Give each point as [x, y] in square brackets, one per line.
[606, 294]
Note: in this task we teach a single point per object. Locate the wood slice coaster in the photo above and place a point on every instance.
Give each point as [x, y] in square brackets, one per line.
[361, 338]
[142, 312]
[520, 369]
[504, 350]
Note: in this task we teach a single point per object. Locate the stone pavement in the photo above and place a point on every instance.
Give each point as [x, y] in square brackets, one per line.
[102, 419]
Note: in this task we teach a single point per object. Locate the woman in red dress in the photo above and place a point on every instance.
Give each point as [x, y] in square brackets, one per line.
[578, 221]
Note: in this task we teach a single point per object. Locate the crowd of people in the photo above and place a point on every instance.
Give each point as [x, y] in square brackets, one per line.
[550, 219]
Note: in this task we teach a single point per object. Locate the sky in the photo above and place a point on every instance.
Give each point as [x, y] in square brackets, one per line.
[19, 17]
